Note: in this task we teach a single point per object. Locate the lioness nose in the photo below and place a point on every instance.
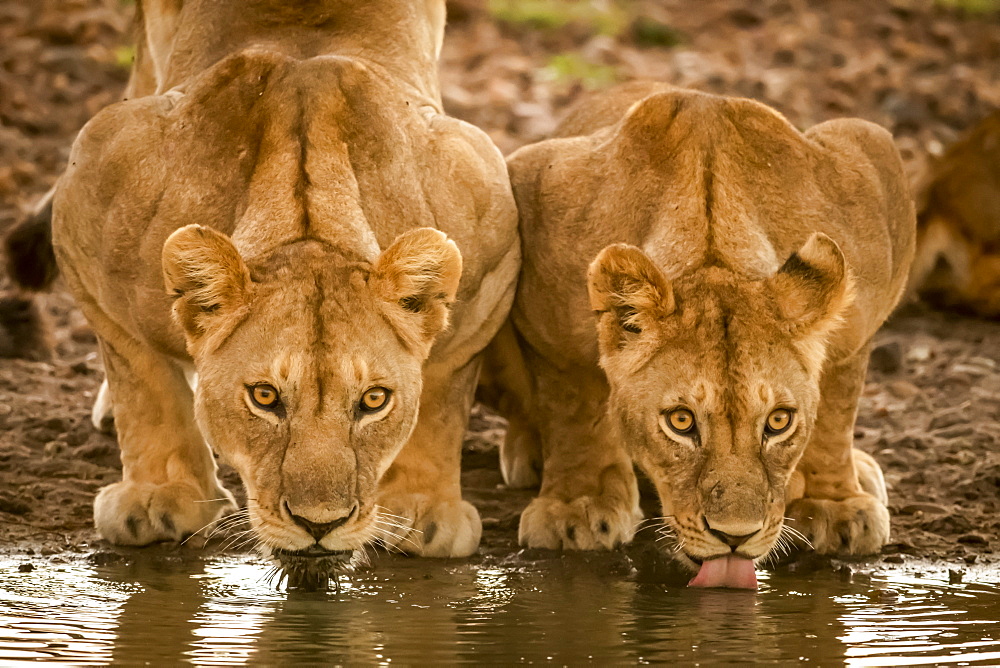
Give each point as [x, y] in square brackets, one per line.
[319, 529]
[732, 540]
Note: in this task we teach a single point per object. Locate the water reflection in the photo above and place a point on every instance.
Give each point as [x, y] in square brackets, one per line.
[562, 609]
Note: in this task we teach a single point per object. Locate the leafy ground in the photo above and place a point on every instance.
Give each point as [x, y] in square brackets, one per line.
[925, 70]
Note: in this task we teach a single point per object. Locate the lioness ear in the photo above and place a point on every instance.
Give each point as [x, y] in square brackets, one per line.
[417, 279]
[628, 292]
[205, 274]
[813, 288]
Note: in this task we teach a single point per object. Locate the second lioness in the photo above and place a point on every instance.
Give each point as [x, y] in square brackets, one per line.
[739, 269]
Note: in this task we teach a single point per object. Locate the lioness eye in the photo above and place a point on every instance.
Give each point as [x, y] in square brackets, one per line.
[264, 396]
[375, 399]
[778, 422]
[681, 420]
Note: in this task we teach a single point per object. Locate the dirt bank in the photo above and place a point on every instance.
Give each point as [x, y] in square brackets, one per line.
[930, 410]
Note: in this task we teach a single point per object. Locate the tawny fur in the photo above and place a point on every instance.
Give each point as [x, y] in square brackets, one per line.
[736, 265]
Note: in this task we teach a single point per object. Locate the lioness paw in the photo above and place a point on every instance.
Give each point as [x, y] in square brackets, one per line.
[856, 525]
[424, 527]
[128, 513]
[586, 523]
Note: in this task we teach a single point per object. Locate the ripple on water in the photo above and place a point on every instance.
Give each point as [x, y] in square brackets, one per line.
[222, 612]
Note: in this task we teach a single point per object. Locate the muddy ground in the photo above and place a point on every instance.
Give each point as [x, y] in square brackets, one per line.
[926, 70]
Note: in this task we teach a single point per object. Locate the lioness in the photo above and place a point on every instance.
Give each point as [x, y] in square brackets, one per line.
[739, 269]
[281, 210]
[957, 263]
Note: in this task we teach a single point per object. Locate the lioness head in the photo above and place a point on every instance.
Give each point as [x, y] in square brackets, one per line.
[715, 385]
[309, 370]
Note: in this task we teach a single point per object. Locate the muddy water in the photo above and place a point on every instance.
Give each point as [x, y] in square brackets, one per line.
[562, 610]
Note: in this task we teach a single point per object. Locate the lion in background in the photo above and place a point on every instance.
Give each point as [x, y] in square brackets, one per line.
[280, 215]
[957, 264]
[738, 269]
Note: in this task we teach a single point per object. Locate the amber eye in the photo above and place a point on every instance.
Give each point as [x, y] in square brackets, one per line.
[681, 420]
[264, 396]
[375, 400]
[778, 422]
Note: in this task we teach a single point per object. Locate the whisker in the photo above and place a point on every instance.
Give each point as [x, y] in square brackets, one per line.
[795, 533]
[395, 537]
[383, 523]
[384, 512]
[198, 532]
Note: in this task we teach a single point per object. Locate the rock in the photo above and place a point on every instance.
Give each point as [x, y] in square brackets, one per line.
[973, 370]
[902, 389]
[919, 354]
[25, 568]
[926, 508]
[893, 559]
[973, 539]
[955, 576]
[81, 368]
[887, 358]
[958, 431]
[949, 419]
[55, 448]
[13, 506]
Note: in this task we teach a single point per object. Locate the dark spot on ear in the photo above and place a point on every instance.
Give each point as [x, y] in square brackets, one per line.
[571, 532]
[167, 523]
[412, 303]
[603, 527]
[132, 524]
[799, 267]
[625, 316]
[429, 532]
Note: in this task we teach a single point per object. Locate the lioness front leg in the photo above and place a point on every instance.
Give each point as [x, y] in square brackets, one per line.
[589, 499]
[422, 492]
[169, 489]
[844, 504]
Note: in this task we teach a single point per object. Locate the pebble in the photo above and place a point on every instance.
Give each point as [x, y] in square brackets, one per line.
[973, 539]
[893, 559]
[955, 576]
[887, 358]
[945, 420]
[970, 370]
[926, 508]
[55, 448]
[25, 568]
[903, 389]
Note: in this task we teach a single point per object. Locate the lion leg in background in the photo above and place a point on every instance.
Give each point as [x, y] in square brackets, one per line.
[844, 504]
[31, 266]
[169, 489]
[423, 485]
[589, 498]
[506, 386]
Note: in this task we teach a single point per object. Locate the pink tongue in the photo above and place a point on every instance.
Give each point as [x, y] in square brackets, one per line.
[732, 571]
